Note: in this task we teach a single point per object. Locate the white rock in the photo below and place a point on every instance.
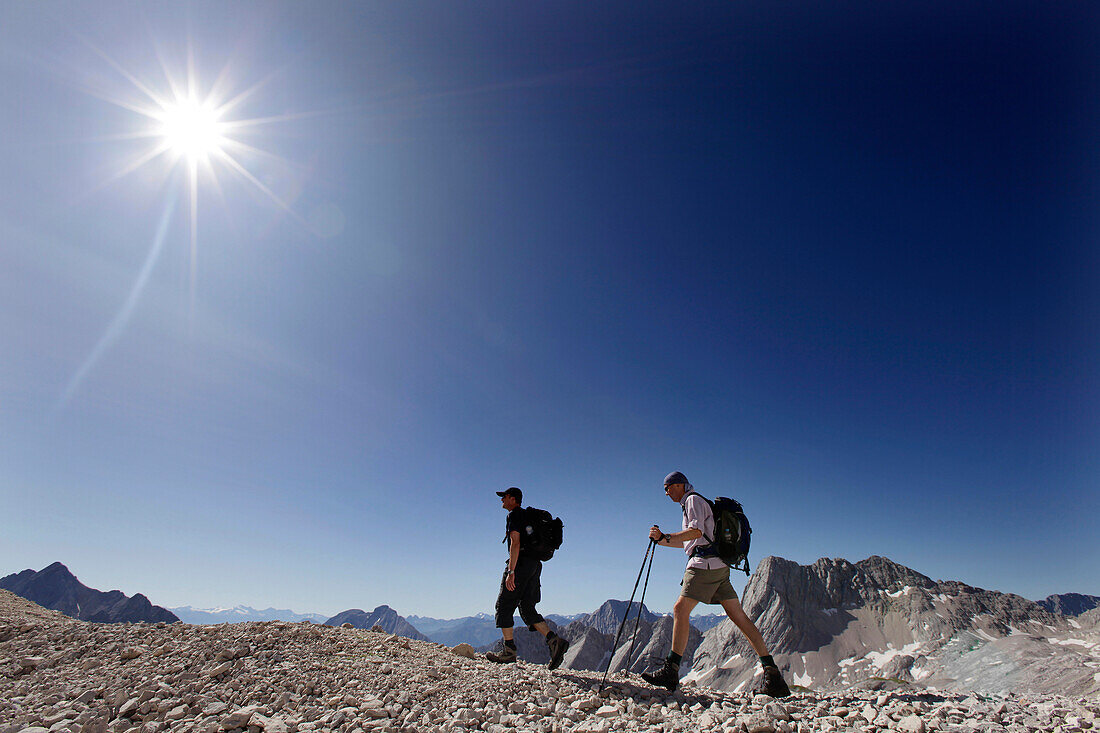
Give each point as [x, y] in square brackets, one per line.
[240, 717]
[759, 723]
[214, 708]
[219, 670]
[778, 712]
[910, 724]
[593, 725]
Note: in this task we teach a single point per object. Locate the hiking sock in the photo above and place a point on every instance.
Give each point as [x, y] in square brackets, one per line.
[674, 659]
[550, 635]
[767, 661]
[510, 643]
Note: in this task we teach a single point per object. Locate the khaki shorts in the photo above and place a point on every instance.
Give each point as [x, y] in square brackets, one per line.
[708, 586]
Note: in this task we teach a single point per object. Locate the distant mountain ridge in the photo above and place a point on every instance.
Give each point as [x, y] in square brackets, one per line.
[474, 630]
[238, 614]
[1070, 604]
[55, 587]
[383, 616]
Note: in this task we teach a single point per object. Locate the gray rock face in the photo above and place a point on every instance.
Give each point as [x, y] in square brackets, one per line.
[1090, 618]
[835, 623]
[653, 645]
[588, 648]
[383, 616]
[609, 615]
[1070, 604]
[56, 588]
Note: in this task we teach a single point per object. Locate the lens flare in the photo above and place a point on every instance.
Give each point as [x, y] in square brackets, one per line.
[192, 129]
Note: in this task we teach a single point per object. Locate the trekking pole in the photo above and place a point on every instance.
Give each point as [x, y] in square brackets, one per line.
[648, 557]
[641, 605]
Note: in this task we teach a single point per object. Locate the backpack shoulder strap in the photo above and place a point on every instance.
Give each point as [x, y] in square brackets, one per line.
[683, 509]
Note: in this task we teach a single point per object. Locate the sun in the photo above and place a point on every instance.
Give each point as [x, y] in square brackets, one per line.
[192, 129]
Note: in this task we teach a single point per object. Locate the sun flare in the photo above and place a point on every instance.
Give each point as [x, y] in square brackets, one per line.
[192, 129]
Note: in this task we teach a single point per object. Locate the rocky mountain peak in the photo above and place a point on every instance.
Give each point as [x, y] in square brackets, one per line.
[55, 587]
[609, 615]
[885, 574]
[383, 616]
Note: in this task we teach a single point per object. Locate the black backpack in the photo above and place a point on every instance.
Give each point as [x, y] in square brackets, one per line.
[542, 533]
[732, 533]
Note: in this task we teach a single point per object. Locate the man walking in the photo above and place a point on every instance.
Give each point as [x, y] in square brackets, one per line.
[706, 580]
[521, 586]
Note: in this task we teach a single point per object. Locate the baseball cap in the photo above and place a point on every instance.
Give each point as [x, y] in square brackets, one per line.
[675, 478]
[512, 491]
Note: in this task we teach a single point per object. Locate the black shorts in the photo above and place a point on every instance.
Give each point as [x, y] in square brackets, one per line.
[528, 592]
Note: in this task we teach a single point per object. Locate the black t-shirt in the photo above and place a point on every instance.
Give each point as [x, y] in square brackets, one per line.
[516, 523]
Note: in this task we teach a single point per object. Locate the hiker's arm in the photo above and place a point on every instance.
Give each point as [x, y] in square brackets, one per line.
[676, 539]
[513, 558]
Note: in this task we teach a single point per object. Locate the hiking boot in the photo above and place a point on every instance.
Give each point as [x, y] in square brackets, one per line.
[557, 646]
[667, 676]
[507, 655]
[772, 684]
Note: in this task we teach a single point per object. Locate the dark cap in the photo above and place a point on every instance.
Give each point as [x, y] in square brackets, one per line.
[675, 478]
[513, 492]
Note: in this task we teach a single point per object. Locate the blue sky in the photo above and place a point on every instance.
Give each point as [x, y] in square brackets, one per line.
[836, 261]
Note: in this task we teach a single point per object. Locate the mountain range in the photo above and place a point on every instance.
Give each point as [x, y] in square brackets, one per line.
[55, 587]
[476, 630]
[237, 614]
[829, 625]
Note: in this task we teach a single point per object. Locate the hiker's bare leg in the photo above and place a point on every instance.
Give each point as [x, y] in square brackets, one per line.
[507, 633]
[681, 623]
[748, 628]
[542, 628]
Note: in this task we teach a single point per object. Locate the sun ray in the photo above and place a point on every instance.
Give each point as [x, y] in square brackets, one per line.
[134, 165]
[232, 162]
[289, 117]
[239, 146]
[138, 84]
[238, 99]
[122, 317]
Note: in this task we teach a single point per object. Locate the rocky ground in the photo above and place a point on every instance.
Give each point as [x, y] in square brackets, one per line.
[59, 674]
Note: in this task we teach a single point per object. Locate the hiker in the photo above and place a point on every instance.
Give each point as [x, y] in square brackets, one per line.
[706, 580]
[521, 587]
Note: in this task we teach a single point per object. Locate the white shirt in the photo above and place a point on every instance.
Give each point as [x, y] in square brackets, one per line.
[698, 515]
